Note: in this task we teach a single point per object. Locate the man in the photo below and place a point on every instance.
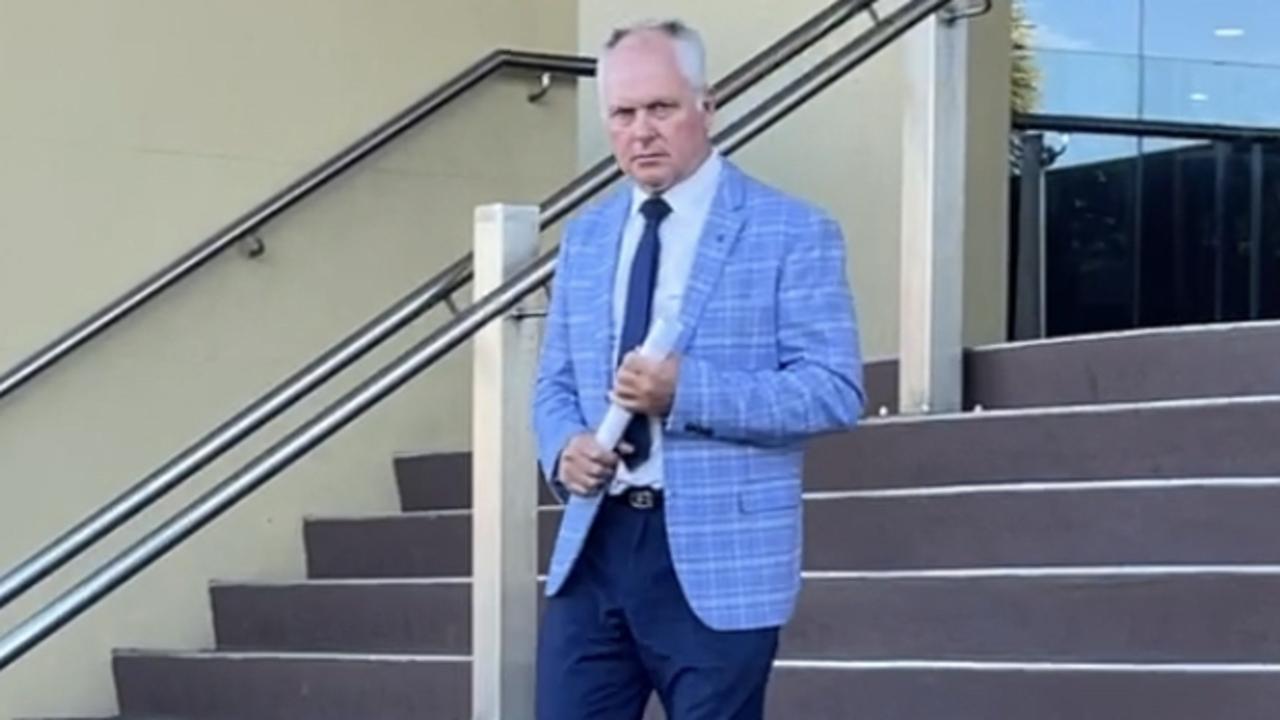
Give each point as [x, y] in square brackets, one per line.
[678, 557]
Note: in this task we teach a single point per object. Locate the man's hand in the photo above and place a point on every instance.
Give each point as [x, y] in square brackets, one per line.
[585, 466]
[646, 386]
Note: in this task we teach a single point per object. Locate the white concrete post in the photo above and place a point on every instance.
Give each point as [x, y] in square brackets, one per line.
[933, 218]
[504, 527]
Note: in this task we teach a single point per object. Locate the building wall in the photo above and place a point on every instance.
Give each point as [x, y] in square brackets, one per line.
[134, 128]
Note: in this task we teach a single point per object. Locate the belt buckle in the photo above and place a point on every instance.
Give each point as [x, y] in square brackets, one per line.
[642, 499]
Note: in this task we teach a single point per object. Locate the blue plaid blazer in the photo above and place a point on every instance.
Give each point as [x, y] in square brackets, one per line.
[770, 357]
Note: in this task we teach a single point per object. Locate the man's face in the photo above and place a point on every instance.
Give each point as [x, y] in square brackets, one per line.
[658, 127]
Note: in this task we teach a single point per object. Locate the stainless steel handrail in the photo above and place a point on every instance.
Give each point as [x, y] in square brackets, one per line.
[115, 311]
[421, 356]
[1174, 129]
[173, 473]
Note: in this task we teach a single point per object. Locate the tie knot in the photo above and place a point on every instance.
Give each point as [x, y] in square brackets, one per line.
[655, 209]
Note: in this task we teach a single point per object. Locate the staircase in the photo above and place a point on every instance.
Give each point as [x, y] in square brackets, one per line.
[1099, 542]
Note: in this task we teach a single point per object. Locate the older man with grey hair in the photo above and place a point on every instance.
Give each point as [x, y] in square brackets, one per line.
[678, 556]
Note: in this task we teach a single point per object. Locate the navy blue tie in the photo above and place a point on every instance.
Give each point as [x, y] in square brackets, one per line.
[639, 312]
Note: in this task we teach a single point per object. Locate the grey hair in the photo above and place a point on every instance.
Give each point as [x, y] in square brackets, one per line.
[691, 53]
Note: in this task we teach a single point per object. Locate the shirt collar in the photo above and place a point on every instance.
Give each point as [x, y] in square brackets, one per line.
[690, 194]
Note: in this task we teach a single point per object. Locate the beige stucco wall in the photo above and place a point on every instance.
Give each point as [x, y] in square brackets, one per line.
[131, 129]
[844, 149]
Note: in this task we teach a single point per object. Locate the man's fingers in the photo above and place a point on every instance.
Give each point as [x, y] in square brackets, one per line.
[599, 457]
[622, 396]
[636, 363]
[600, 467]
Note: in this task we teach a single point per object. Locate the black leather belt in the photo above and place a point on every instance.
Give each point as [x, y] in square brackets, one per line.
[639, 498]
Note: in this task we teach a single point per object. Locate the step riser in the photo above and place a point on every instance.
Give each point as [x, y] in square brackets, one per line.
[439, 481]
[1163, 366]
[1234, 440]
[1081, 619]
[408, 546]
[443, 482]
[1159, 366]
[1221, 440]
[266, 689]
[959, 695]
[388, 618]
[1188, 525]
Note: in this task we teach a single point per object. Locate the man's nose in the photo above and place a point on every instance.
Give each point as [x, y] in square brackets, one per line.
[645, 128]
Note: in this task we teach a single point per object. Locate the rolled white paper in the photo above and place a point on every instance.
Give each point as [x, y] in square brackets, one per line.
[657, 344]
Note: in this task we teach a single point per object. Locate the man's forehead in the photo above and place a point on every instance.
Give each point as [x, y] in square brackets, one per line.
[644, 82]
[639, 97]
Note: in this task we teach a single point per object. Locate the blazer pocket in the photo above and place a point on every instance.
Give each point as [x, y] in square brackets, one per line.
[779, 497]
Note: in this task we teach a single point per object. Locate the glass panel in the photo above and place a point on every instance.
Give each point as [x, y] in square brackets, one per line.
[1196, 256]
[1235, 244]
[1241, 31]
[1078, 83]
[1090, 228]
[1178, 250]
[1109, 26]
[1269, 294]
[1194, 91]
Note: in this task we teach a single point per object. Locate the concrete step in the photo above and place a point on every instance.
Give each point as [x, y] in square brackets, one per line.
[1131, 616]
[433, 481]
[1133, 366]
[364, 616]
[1201, 438]
[204, 686]
[442, 481]
[422, 544]
[1211, 521]
[1125, 616]
[977, 691]
[1215, 437]
[1174, 521]
[265, 686]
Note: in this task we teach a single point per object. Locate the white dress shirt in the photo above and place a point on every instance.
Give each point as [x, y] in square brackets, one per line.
[678, 235]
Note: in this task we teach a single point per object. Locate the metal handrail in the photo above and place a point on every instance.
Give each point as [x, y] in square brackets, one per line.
[187, 463]
[421, 356]
[1174, 129]
[302, 188]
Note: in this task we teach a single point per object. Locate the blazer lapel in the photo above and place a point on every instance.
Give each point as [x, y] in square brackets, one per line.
[605, 238]
[724, 225]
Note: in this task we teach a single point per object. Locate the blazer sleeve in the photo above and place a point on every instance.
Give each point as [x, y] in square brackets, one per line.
[817, 386]
[557, 415]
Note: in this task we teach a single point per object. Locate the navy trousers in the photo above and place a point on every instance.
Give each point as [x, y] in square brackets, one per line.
[620, 629]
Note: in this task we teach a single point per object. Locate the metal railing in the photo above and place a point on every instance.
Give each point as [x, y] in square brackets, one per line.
[440, 288]
[1126, 127]
[1028, 277]
[423, 355]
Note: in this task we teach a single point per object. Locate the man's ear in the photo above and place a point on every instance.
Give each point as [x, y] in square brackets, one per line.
[709, 110]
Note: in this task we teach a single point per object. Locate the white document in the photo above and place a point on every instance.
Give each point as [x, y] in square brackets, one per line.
[657, 344]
